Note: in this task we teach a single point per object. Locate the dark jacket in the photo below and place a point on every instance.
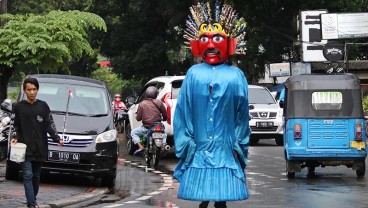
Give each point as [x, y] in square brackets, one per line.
[150, 111]
[32, 122]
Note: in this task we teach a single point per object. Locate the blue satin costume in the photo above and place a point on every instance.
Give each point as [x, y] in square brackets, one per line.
[211, 121]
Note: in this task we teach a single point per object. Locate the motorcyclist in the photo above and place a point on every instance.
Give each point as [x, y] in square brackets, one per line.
[118, 104]
[150, 111]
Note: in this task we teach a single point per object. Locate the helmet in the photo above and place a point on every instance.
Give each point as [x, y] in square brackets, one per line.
[6, 105]
[117, 95]
[151, 92]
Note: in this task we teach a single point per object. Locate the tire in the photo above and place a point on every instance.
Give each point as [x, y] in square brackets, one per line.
[157, 156]
[109, 181]
[311, 170]
[3, 150]
[290, 175]
[279, 140]
[254, 140]
[131, 147]
[11, 173]
[361, 171]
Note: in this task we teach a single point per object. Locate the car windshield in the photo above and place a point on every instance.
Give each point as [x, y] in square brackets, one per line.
[83, 100]
[260, 96]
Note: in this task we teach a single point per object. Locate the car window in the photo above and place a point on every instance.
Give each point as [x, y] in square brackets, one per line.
[83, 100]
[175, 88]
[143, 95]
[260, 96]
[326, 100]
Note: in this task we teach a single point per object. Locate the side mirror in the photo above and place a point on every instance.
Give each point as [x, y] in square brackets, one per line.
[251, 107]
[7, 105]
[281, 104]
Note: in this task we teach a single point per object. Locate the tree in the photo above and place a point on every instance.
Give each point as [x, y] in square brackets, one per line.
[48, 43]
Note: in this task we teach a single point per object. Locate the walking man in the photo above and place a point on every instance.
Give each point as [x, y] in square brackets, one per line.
[32, 122]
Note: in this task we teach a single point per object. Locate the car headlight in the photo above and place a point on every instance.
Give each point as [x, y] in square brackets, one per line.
[281, 112]
[107, 136]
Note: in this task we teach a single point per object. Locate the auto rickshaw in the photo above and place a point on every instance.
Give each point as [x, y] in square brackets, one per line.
[324, 123]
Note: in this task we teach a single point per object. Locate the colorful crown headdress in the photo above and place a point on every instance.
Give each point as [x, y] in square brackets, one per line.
[223, 17]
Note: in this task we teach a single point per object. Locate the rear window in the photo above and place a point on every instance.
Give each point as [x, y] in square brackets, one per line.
[326, 100]
[260, 96]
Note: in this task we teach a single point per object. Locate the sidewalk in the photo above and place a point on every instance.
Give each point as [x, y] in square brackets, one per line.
[50, 193]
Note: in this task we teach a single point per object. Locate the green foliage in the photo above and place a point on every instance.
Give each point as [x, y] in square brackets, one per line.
[365, 103]
[112, 80]
[48, 42]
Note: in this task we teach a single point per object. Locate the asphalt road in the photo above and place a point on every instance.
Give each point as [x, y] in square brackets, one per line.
[336, 187]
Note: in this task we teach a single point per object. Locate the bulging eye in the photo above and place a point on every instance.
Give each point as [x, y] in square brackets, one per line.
[218, 39]
[204, 39]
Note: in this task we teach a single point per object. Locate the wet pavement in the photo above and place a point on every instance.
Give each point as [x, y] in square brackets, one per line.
[52, 193]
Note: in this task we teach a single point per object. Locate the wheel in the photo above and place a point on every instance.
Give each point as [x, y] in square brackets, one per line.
[361, 171]
[3, 150]
[11, 173]
[289, 175]
[311, 170]
[254, 140]
[279, 141]
[156, 158]
[131, 147]
[128, 131]
[109, 181]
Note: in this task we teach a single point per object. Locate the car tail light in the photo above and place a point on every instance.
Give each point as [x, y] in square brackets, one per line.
[358, 132]
[297, 131]
[168, 107]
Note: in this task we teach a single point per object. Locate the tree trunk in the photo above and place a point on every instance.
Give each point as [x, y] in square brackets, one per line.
[5, 75]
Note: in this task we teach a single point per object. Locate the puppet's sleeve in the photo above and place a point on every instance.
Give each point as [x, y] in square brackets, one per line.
[183, 125]
[242, 129]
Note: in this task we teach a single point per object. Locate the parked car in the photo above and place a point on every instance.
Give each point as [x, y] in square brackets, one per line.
[168, 87]
[267, 121]
[91, 143]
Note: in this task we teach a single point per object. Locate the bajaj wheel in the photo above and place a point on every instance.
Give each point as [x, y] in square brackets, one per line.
[289, 175]
[361, 171]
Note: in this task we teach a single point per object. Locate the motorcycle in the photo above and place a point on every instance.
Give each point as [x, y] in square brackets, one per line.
[120, 119]
[6, 128]
[154, 144]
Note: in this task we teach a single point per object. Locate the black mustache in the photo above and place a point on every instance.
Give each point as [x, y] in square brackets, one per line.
[212, 50]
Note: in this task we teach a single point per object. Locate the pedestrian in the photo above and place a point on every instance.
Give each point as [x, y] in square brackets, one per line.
[211, 121]
[150, 111]
[32, 122]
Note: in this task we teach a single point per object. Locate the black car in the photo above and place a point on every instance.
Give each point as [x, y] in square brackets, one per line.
[81, 108]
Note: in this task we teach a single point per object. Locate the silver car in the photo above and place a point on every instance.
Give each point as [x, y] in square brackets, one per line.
[267, 121]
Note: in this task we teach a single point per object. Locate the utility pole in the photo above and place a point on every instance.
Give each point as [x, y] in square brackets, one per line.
[3, 9]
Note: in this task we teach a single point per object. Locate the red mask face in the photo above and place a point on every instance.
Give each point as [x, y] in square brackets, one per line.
[213, 48]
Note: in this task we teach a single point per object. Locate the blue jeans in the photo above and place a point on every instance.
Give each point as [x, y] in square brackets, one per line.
[137, 133]
[31, 180]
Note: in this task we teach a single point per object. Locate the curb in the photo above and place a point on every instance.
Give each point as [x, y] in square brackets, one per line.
[75, 199]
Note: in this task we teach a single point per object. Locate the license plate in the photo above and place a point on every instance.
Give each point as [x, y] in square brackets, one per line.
[159, 135]
[64, 156]
[265, 124]
[358, 145]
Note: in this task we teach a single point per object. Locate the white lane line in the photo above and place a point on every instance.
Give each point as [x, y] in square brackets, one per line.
[143, 198]
[167, 183]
